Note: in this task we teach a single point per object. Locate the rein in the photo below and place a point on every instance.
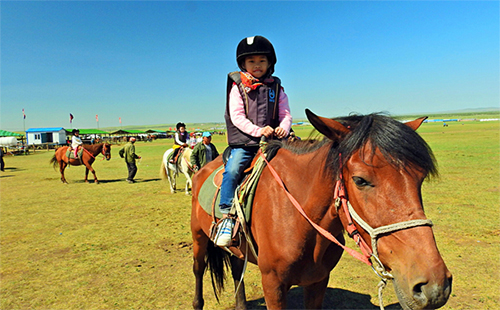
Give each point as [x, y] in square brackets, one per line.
[188, 165]
[342, 201]
[103, 152]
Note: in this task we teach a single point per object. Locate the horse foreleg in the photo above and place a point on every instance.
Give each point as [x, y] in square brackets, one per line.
[237, 266]
[200, 243]
[275, 291]
[171, 179]
[89, 167]
[188, 182]
[314, 294]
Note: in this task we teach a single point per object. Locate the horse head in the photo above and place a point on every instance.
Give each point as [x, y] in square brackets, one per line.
[381, 164]
[106, 150]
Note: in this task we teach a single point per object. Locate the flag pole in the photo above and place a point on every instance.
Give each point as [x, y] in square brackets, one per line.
[24, 122]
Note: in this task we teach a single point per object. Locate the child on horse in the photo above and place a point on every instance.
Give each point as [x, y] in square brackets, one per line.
[181, 138]
[76, 141]
[256, 106]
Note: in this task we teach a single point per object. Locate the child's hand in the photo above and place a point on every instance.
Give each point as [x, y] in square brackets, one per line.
[267, 131]
[280, 132]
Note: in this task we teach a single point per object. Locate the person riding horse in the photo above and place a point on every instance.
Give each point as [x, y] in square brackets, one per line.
[76, 142]
[180, 141]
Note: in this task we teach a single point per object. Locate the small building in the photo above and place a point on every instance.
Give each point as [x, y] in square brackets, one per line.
[54, 135]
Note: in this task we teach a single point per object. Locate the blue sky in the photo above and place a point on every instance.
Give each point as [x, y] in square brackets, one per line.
[161, 62]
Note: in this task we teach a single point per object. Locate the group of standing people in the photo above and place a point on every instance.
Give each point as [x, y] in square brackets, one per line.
[203, 152]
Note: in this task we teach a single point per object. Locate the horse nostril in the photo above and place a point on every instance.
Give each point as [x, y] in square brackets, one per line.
[429, 295]
[419, 294]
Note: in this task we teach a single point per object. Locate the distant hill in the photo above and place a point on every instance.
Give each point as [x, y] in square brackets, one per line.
[189, 126]
[462, 113]
[471, 110]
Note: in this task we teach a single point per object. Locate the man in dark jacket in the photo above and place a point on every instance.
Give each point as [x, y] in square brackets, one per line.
[2, 163]
[203, 152]
[128, 152]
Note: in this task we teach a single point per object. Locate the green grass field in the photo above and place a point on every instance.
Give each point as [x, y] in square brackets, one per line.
[128, 246]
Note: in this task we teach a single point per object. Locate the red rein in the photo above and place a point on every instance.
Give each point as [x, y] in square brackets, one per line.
[351, 228]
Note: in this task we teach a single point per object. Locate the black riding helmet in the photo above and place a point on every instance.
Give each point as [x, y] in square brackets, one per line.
[179, 125]
[256, 45]
[75, 131]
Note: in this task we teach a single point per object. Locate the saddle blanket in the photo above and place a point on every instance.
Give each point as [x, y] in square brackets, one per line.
[207, 193]
[171, 155]
[71, 154]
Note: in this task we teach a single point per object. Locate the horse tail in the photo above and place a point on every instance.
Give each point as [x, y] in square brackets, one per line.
[54, 161]
[163, 171]
[218, 261]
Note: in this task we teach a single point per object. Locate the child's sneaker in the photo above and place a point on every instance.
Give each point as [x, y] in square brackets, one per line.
[224, 232]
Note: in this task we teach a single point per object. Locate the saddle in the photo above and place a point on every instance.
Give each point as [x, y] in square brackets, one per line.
[70, 154]
[209, 195]
[177, 158]
[209, 198]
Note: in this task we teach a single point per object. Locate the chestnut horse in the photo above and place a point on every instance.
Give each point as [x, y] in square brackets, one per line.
[368, 168]
[90, 152]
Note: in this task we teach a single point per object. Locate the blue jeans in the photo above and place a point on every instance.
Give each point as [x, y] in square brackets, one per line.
[239, 159]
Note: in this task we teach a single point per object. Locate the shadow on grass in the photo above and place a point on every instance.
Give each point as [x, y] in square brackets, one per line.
[334, 299]
[108, 181]
[124, 180]
[91, 181]
[13, 169]
[148, 180]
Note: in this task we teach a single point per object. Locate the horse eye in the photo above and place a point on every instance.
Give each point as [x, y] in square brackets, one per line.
[360, 182]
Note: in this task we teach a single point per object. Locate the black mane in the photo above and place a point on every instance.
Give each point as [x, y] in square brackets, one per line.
[400, 145]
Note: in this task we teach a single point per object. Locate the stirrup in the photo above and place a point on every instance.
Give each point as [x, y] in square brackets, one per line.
[214, 229]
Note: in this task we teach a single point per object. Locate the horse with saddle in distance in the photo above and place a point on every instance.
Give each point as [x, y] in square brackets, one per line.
[87, 157]
[363, 177]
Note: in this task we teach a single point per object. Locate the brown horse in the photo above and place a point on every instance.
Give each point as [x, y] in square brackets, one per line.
[90, 152]
[375, 162]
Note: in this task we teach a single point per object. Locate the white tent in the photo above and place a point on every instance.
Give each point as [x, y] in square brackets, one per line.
[8, 141]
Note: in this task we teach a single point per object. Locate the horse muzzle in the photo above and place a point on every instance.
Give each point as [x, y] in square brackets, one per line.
[424, 293]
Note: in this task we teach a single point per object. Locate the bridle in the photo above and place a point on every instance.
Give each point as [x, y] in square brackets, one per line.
[341, 200]
[105, 151]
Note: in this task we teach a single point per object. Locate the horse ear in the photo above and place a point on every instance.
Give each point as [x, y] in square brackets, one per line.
[416, 123]
[328, 127]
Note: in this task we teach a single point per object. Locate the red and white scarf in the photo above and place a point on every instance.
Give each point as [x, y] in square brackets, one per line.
[251, 83]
